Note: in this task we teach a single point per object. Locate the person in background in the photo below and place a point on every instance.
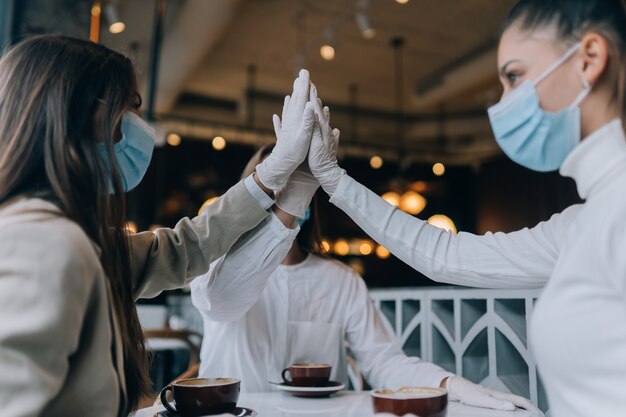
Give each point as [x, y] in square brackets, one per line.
[561, 63]
[72, 144]
[296, 306]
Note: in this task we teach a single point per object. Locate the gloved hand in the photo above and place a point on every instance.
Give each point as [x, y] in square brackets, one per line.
[323, 152]
[460, 389]
[293, 139]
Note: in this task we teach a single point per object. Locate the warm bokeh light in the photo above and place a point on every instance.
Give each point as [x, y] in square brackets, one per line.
[219, 143]
[439, 169]
[419, 187]
[366, 249]
[325, 246]
[341, 247]
[207, 203]
[155, 227]
[117, 27]
[402, 1]
[357, 266]
[392, 198]
[131, 226]
[376, 162]
[382, 252]
[412, 203]
[327, 52]
[443, 222]
[174, 139]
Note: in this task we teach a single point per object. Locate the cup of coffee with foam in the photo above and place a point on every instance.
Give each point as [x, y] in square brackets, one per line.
[420, 401]
[202, 396]
[308, 374]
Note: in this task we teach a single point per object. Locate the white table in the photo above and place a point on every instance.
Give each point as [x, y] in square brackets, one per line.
[344, 404]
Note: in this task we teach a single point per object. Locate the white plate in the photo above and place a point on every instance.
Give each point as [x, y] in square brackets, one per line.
[312, 391]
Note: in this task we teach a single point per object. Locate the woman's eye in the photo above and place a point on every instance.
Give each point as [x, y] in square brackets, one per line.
[512, 78]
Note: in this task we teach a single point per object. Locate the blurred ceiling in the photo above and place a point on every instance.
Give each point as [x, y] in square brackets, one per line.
[206, 85]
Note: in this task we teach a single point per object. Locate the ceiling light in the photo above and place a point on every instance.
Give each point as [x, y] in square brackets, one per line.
[376, 162]
[402, 1]
[113, 18]
[174, 139]
[412, 203]
[439, 169]
[363, 22]
[341, 247]
[382, 252]
[219, 143]
[392, 198]
[366, 248]
[327, 52]
[443, 222]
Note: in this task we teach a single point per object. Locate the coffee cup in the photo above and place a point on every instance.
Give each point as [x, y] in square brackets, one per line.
[420, 401]
[202, 396]
[307, 374]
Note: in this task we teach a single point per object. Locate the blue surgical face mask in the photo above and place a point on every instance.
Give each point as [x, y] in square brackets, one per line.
[530, 136]
[307, 216]
[132, 153]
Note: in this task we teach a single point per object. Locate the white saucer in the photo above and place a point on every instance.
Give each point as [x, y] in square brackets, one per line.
[332, 388]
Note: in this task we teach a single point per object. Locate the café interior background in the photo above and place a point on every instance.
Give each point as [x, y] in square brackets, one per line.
[408, 83]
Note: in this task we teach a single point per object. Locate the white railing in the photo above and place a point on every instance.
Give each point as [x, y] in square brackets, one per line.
[479, 334]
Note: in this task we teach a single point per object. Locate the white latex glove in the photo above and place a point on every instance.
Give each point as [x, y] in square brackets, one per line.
[293, 139]
[323, 152]
[460, 389]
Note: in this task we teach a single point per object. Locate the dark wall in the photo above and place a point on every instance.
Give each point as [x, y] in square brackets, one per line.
[510, 197]
[62, 17]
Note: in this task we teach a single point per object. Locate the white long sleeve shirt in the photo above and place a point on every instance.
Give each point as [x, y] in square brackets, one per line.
[306, 313]
[578, 331]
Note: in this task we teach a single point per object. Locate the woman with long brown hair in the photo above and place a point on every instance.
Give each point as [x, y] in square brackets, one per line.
[71, 144]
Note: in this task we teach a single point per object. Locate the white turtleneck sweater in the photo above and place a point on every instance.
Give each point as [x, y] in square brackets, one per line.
[578, 331]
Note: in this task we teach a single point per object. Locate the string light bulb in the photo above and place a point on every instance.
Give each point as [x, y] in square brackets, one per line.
[327, 52]
[219, 143]
[376, 162]
[382, 252]
[341, 247]
[439, 169]
[412, 203]
[392, 198]
[443, 222]
[173, 139]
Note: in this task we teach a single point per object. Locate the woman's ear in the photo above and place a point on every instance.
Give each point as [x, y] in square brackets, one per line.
[594, 51]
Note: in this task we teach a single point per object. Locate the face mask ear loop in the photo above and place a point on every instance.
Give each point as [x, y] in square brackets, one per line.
[583, 94]
[570, 53]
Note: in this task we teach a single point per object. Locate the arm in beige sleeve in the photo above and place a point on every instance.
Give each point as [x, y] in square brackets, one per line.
[522, 259]
[45, 288]
[171, 258]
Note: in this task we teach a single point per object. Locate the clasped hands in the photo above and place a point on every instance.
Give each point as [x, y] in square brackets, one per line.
[305, 154]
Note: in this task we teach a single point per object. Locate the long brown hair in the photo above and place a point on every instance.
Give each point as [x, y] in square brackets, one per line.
[50, 90]
[310, 236]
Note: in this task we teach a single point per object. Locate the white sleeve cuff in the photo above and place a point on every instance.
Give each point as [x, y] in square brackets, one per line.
[264, 200]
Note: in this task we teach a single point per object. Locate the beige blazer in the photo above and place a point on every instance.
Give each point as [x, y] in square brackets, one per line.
[60, 348]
